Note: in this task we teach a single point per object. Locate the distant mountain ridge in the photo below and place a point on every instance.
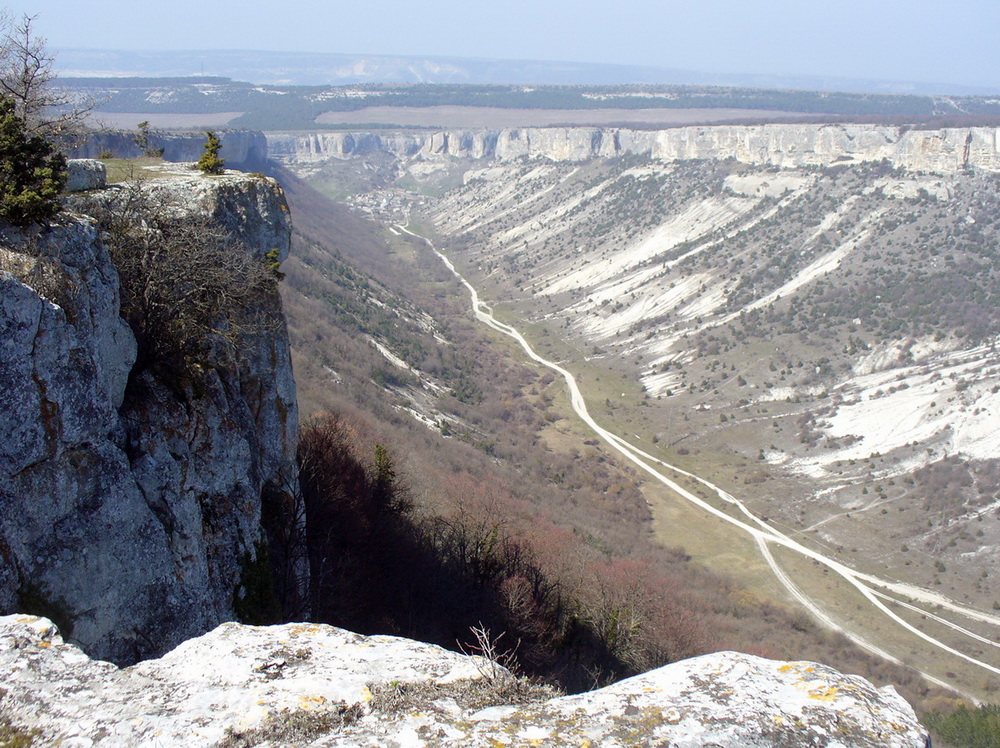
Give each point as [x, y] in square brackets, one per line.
[272, 107]
[308, 68]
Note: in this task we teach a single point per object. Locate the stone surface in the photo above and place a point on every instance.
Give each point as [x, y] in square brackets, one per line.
[301, 684]
[85, 174]
[941, 151]
[252, 208]
[127, 500]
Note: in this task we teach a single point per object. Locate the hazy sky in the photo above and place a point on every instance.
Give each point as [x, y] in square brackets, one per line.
[920, 40]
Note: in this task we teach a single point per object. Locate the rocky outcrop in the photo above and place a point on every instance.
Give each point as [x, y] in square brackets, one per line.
[85, 174]
[322, 686]
[241, 149]
[130, 503]
[940, 151]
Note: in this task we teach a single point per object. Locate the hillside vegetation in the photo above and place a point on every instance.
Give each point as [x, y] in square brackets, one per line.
[829, 332]
[500, 517]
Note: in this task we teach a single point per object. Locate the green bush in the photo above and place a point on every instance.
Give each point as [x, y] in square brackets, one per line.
[32, 174]
[965, 727]
[210, 163]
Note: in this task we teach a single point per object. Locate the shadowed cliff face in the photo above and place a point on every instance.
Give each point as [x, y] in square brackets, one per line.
[129, 497]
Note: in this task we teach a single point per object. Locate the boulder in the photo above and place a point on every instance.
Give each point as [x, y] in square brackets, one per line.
[85, 174]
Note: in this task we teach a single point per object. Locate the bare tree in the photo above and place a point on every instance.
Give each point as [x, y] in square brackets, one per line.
[28, 79]
[187, 285]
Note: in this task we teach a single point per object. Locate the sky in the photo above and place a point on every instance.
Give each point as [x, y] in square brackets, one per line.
[901, 40]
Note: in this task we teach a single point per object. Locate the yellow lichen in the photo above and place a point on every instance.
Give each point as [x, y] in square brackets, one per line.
[828, 693]
[307, 629]
[311, 702]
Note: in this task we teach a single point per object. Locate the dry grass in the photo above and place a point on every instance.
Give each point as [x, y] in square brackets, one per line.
[469, 695]
[132, 169]
[292, 726]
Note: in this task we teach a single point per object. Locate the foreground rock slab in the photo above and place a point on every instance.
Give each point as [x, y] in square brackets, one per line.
[313, 685]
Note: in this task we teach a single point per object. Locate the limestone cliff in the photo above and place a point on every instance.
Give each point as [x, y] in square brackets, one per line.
[316, 685]
[244, 149]
[129, 502]
[940, 151]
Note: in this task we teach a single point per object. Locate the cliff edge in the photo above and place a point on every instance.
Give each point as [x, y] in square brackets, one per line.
[131, 495]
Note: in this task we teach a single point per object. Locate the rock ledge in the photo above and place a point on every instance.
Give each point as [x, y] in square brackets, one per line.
[306, 684]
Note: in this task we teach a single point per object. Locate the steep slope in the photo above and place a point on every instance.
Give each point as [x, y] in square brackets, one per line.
[131, 494]
[817, 340]
[508, 457]
[851, 311]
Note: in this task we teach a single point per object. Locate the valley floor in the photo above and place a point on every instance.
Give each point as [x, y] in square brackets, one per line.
[881, 594]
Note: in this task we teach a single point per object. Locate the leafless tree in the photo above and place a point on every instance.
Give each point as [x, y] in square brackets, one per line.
[27, 78]
[187, 285]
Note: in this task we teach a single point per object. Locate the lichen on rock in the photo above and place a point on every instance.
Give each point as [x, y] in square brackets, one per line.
[313, 685]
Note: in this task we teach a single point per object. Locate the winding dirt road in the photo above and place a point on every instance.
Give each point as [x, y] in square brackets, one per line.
[874, 589]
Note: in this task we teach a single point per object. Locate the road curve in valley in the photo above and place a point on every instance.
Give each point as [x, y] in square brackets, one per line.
[872, 588]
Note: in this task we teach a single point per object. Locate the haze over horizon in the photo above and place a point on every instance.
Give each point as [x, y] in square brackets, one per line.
[913, 41]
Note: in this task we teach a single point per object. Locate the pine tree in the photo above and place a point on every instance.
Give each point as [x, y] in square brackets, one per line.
[32, 174]
[210, 163]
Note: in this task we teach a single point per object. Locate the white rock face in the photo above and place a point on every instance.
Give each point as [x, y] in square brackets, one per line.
[127, 509]
[941, 151]
[85, 174]
[255, 684]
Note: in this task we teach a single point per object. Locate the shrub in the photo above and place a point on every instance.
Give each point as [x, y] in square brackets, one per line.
[210, 163]
[378, 567]
[254, 599]
[965, 727]
[187, 287]
[32, 174]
